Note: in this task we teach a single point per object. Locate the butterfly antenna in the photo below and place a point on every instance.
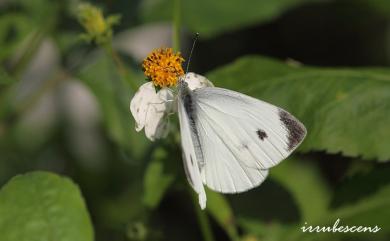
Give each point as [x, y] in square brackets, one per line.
[192, 49]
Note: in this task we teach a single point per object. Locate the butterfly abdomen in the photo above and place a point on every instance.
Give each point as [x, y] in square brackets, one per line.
[187, 98]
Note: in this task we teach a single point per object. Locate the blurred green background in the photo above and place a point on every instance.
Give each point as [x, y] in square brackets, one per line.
[73, 168]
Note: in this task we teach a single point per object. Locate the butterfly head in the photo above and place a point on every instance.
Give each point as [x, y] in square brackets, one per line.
[182, 84]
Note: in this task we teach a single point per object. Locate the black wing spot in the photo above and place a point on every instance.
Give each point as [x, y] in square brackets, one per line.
[261, 134]
[296, 130]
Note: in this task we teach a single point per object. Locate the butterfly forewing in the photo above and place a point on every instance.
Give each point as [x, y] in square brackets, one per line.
[241, 137]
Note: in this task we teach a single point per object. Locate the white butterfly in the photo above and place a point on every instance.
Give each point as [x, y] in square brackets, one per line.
[229, 139]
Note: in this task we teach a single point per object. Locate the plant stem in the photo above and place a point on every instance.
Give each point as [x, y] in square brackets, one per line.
[176, 25]
[203, 220]
[123, 71]
[29, 50]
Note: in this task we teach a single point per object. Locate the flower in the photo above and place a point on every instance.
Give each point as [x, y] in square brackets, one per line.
[151, 110]
[98, 28]
[163, 67]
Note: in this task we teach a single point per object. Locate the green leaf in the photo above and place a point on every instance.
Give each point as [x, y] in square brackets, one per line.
[312, 204]
[361, 185]
[43, 206]
[344, 110]
[373, 210]
[370, 211]
[265, 231]
[219, 208]
[156, 182]
[210, 18]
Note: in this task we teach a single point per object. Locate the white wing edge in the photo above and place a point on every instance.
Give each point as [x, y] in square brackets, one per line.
[190, 161]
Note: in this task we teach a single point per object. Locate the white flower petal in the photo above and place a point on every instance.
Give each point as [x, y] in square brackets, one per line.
[151, 109]
[196, 81]
[156, 125]
[140, 103]
[168, 97]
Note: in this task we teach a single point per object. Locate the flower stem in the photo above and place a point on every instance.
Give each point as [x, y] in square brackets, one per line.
[203, 220]
[29, 52]
[123, 71]
[176, 25]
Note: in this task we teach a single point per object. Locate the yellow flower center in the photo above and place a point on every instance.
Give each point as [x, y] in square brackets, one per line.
[163, 67]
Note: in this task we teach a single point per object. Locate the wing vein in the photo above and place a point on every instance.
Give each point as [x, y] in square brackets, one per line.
[231, 152]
